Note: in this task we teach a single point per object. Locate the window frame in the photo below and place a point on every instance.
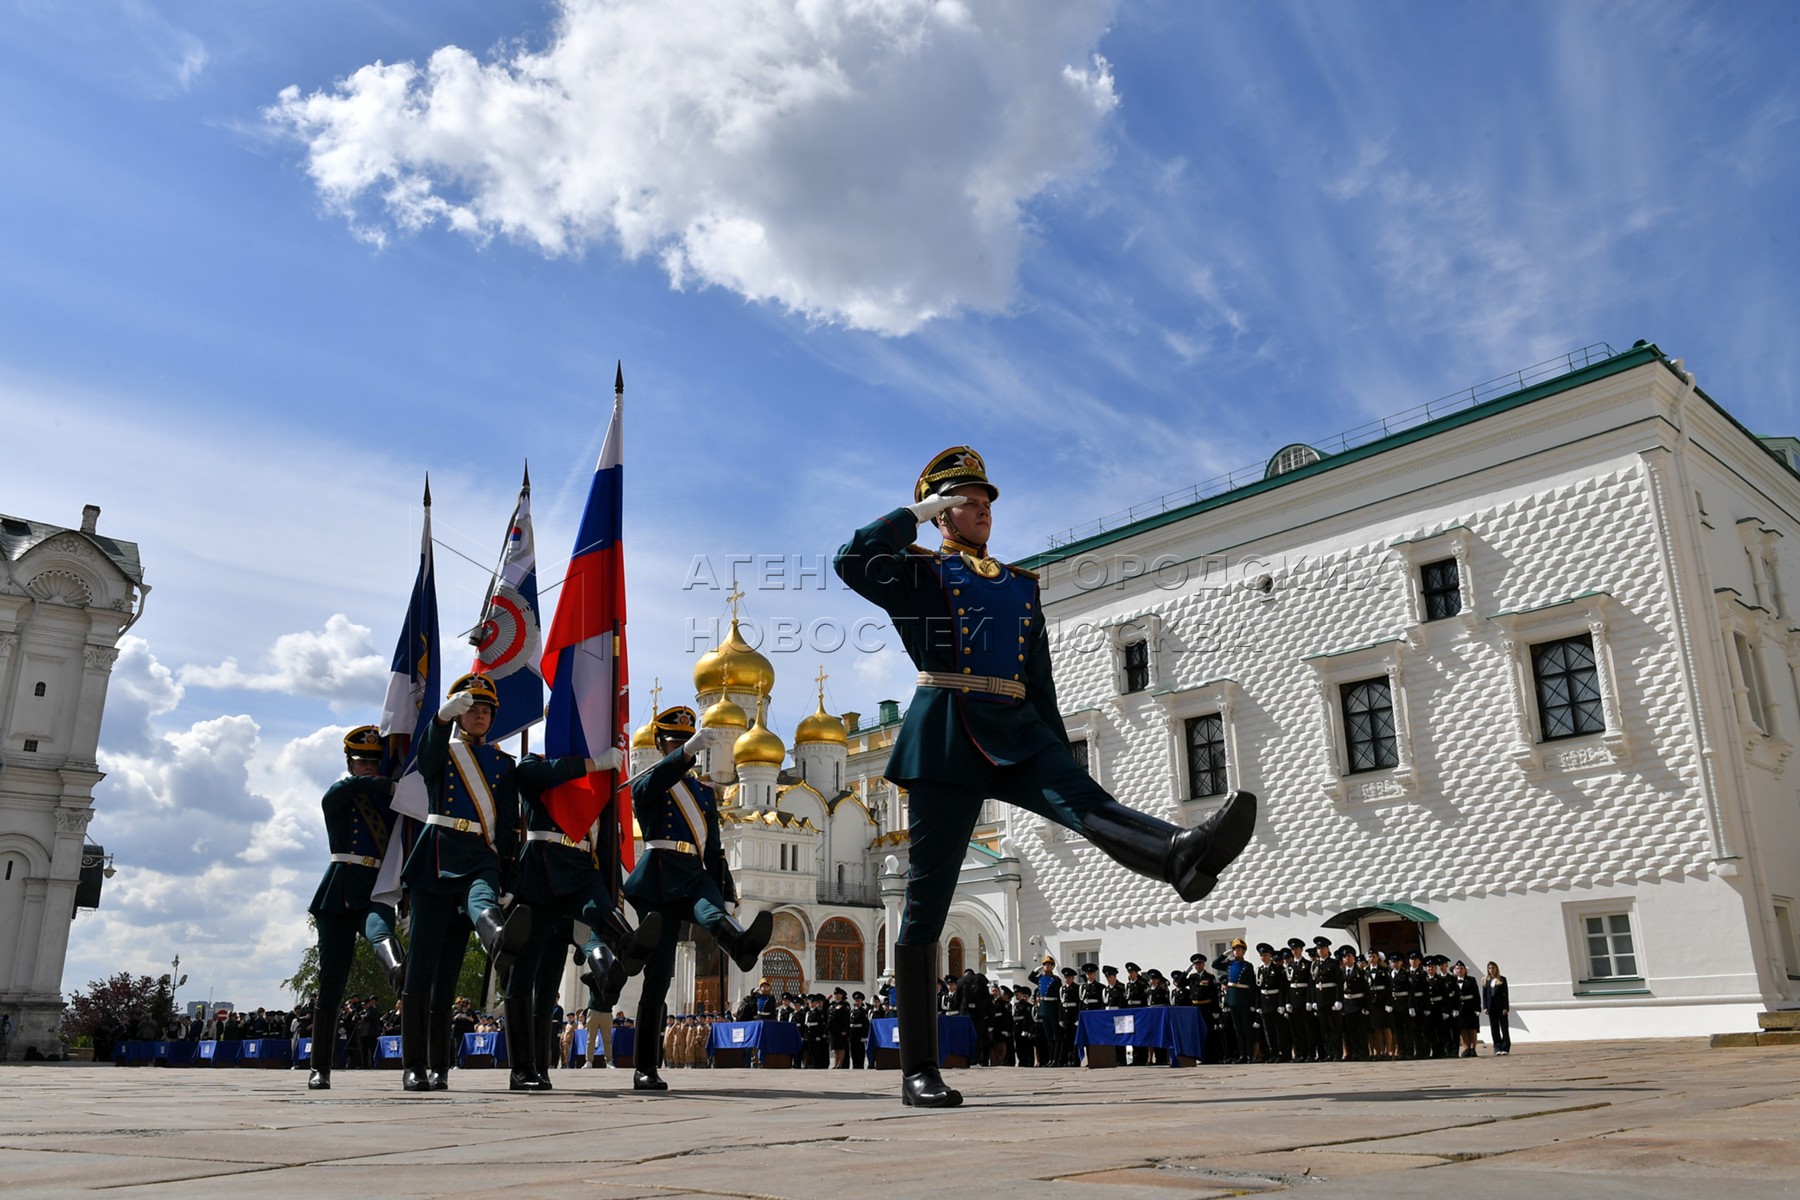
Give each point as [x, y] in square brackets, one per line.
[1144, 628]
[1591, 613]
[1584, 982]
[1537, 682]
[1333, 670]
[1345, 690]
[1412, 555]
[1221, 768]
[1223, 697]
[1748, 630]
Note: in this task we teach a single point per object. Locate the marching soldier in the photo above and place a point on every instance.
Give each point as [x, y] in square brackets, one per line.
[453, 874]
[560, 880]
[985, 723]
[1272, 998]
[357, 823]
[683, 875]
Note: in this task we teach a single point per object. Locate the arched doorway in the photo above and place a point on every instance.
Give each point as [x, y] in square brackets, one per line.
[956, 956]
[838, 953]
[782, 970]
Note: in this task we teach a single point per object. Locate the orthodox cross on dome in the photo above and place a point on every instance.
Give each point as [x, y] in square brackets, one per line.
[737, 593]
[820, 679]
[655, 696]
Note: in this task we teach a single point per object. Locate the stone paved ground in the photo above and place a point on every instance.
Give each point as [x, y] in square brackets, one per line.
[1598, 1120]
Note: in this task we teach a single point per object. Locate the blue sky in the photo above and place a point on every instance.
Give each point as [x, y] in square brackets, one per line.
[1119, 248]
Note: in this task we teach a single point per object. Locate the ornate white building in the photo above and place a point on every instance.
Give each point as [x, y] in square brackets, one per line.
[66, 596]
[1514, 675]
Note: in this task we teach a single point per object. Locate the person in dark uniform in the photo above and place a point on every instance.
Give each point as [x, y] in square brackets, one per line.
[1400, 991]
[357, 823]
[814, 1037]
[453, 874]
[1356, 1004]
[1240, 1001]
[1381, 1006]
[1303, 1025]
[1113, 991]
[859, 1029]
[1272, 999]
[1136, 990]
[564, 880]
[837, 1029]
[1047, 1007]
[1328, 994]
[1467, 1002]
[1203, 993]
[999, 1026]
[1436, 1009]
[1157, 991]
[985, 722]
[1068, 999]
[683, 875]
[1025, 1028]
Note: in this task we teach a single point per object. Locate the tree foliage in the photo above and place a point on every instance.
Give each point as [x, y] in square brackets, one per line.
[367, 978]
[117, 1006]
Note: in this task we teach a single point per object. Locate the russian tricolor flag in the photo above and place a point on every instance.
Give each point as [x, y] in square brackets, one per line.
[584, 654]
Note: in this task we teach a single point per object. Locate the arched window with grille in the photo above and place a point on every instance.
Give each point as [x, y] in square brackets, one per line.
[956, 956]
[838, 953]
[783, 972]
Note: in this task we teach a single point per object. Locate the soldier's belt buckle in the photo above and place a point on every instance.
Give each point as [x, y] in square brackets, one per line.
[462, 824]
[369, 862]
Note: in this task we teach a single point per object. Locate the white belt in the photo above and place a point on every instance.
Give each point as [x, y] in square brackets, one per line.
[460, 824]
[550, 835]
[361, 860]
[677, 847]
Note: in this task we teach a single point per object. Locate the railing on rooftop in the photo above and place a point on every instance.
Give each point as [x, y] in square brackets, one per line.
[1362, 435]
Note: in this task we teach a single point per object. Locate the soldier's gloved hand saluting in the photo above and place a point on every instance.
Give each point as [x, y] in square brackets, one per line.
[703, 737]
[931, 506]
[455, 707]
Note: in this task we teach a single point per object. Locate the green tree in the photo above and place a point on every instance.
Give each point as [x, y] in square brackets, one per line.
[115, 1007]
[367, 978]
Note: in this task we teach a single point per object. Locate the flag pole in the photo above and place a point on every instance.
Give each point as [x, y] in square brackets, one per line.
[621, 716]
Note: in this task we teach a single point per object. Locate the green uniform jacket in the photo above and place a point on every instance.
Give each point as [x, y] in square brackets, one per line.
[663, 876]
[447, 854]
[357, 821]
[549, 869]
[947, 737]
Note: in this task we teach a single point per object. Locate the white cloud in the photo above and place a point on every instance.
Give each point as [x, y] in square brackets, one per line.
[865, 162]
[338, 663]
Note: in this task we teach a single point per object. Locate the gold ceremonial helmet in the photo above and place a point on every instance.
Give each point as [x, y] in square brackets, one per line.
[952, 468]
[675, 722]
[480, 687]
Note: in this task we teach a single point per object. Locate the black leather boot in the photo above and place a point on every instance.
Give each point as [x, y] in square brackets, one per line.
[440, 1046]
[393, 960]
[415, 1032]
[631, 947]
[503, 935]
[548, 1049]
[648, 1054]
[1189, 860]
[324, 1036]
[916, 991]
[745, 946]
[522, 1046]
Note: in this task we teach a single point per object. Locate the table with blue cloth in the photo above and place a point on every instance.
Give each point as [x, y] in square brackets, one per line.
[138, 1052]
[624, 1041]
[217, 1054]
[777, 1043]
[488, 1046]
[387, 1050]
[1177, 1030]
[956, 1041]
[265, 1052]
[305, 1055]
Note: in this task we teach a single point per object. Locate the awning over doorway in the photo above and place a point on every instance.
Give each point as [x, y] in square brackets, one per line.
[1400, 908]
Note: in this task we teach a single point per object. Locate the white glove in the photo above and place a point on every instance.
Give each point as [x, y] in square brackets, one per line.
[1338, 1007]
[606, 762]
[703, 737]
[1390, 1008]
[455, 707]
[931, 506]
[1412, 1012]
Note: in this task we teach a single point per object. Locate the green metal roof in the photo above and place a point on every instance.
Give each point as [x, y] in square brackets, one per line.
[1400, 908]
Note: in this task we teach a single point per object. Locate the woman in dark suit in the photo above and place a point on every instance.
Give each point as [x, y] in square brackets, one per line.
[1496, 1004]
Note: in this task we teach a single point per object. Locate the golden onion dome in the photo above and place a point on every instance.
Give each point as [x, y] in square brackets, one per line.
[725, 714]
[821, 729]
[644, 738]
[732, 666]
[759, 746]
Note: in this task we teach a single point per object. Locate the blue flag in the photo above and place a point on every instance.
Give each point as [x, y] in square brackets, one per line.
[415, 682]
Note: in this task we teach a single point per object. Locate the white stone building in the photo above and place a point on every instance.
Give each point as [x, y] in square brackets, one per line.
[66, 596]
[1514, 674]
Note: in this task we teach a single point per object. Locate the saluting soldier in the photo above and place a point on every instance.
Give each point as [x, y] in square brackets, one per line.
[985, 722]
[1240, 1001]
[683, 875]
[562, 879]
[358, 820]
[453, 874]
[1272, 998]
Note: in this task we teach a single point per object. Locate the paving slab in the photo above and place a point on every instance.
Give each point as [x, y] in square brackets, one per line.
[1644, 1119]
